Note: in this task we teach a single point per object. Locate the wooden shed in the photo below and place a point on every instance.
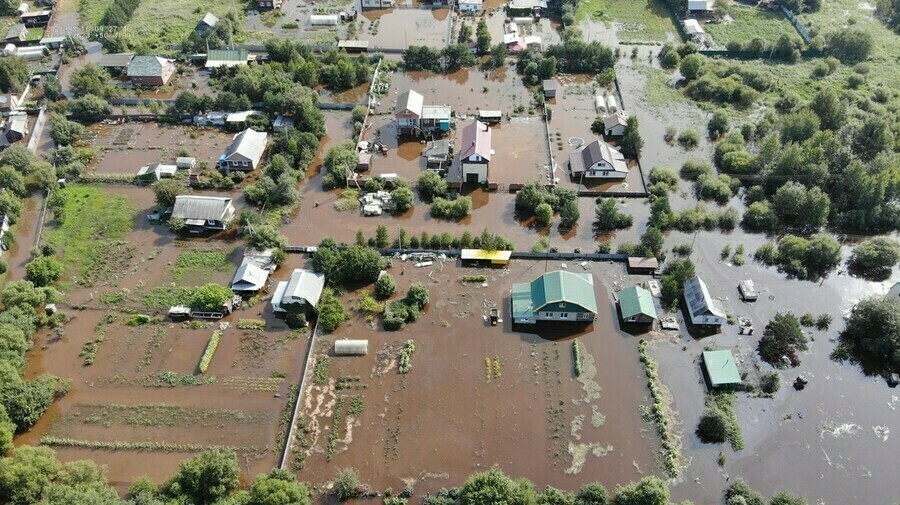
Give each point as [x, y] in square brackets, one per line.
[642, 266]
[351, 347]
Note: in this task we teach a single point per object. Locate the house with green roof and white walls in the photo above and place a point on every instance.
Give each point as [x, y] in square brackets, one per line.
[555, 296]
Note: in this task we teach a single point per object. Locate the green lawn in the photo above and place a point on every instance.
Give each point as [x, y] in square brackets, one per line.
[836, 14]
[91, 237]
[199, 265]
[35, 34]
[749, 23]
[159, 23]
[642, 20]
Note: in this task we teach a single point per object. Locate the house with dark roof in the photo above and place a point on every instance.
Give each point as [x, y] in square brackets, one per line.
[267, 5]
[413, 117]
[475, 152]
[17, 33]
[555, 296]
[150, 70]
[598, 160]
[636, 305]
[203, 213]
[208, 22]
[702, 308]
[438, 153]
[216, 58]
[245, 152]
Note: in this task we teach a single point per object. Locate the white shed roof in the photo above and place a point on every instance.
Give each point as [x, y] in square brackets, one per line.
[692, 27]
[249, 277]
[305, 284]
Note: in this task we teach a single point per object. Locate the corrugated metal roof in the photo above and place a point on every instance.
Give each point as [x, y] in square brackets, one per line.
[249, 143]
[226, 57]
[595, 152]
[636, 300]
[562, 286]
[116, 59]
[411, 101]
[210, 20]
[476, 139]
[482, 254]
[699, 301]
[721, 367]
[206, 208]
[305, 284]
[436, 111]
[249, 277]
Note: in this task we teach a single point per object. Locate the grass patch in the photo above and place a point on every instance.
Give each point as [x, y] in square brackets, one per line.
[404, 365]
[349, 200]
[636, 21]
[660, 414]
[724, 401]
[148, 445]
[36, 33]
[251, 324]
[201, 263]
[749, 23]
[657, 92]
[181, 17]
[90, 236]
[320, 370]
[356, 406]
[161, 415]
[466, 279]
[163, 297]
[89, 350]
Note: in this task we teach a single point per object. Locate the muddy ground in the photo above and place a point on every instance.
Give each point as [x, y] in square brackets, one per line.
[453, 414]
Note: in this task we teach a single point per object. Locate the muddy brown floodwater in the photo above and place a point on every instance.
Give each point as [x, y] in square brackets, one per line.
[479, 395]
[123, 398]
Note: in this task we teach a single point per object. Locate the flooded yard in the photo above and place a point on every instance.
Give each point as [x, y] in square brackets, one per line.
[452, 414]
[399, 28]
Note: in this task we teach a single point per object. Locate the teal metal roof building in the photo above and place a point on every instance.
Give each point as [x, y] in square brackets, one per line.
[555, 296]
[721, 368]
[636, 304]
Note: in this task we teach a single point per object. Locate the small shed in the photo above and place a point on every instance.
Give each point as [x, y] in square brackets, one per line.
[549, 87]
[53, 42]
[720, 369]
[636, 304]
[351, 347]
[185, 162]
[364, 162]
[354, 46]
[642, 266]
[282, 123]
[490, 116]
[611, 105]
[747, 290]
[482, 256]
[179, 313]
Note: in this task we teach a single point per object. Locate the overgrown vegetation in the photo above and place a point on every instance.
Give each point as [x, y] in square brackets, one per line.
[665, 426]
[718, 423]
[210, 350]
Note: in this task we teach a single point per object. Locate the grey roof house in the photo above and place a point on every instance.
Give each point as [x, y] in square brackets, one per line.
[703, 309]
[203, 213]
[245, 151]
[303, 289]
[216, 58]
[150, 71]
[116, 61]
[598, 160]
[16, 33]
[249, 278]
[207, 23]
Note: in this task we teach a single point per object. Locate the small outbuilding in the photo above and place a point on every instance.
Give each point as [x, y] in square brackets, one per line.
[550, 86]
[348, 347]
[216, 58]
[354, 46]
[16, 33]
[17, 128]
[155, 172]
[614, 124]
[282, 123]
[249, 278]
[642, 266]
[303, 289]
[490, 116]
[747, 291]
[324, 20]
[185, 162]
[208, 22]
[437, 154]
[116, 62]
[150, 70]
[636, 305]
[720, 369]
[480, 257]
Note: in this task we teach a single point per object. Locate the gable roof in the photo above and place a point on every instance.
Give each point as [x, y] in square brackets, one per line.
[206, 208]
[249, 277]
[249, 144]
[562, 286]
[692, 27]
[147, 66]
[226, 57]
[617, 119]
[305, 284]
[18, 124]
[699, 5]
[411, 101]
[595, 152]
[476, 139]
[636, 300]
[437, 148]
[16, 31]
[699, 301]
[549, 84]
[721, 367]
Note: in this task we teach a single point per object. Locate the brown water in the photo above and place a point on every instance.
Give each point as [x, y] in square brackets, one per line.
[25, 232]
[444, 420]
[401, 28]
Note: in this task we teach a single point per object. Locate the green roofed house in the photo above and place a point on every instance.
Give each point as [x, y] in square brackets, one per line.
[636, 304]
[721, 369]
[554, 296]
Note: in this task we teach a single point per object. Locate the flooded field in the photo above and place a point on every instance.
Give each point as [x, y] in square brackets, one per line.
[140, 406]
[125, 148]
[452, 414]
[400, 28]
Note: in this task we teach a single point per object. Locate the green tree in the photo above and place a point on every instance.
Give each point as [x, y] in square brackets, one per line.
[417, 295]
[482, 37]
[465, 33]
[431, 185]
[544, 214]
[787, 499]
[799, 207]
[569, 214]
[552, 496]
[799, 126]
[872, 335]
[652, 241]
[14, 74]
[402, 198]
[714, 426]
[829, 110]
[385, 286]
[691, 66]
[675, 274]
[782, 336]
[27, 474]
[346, 484]
[167, 190]
[340, 161]
[205, 479]
[7, 430]
[873, 138]
[381, 236]
[279, 487]
[493, 486]
[90, 79]
[719, 124]
[850, 45]
[647, 491]
[457, 56]
[632, 143]
[210, 297]
[498, 55]
[592, 493]
[740, 489]
[875, 258]
[44, 270]
[63, 131]
[759, 217]
[607, 217]
[89, 107]
[13, 181]
[360, 264]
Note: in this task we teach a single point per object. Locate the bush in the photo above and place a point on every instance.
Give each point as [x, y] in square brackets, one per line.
[713, 427]
[875, 258]
[346, 484]
[331, 311]
[451, 209]
[782, 337]
[544, 214]
[692, 169]
[431, 185]
[385, 286]
[719, 124]
[689, 139]
[211, 347]
[43, 270]
[417, 295]
[769, 383]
